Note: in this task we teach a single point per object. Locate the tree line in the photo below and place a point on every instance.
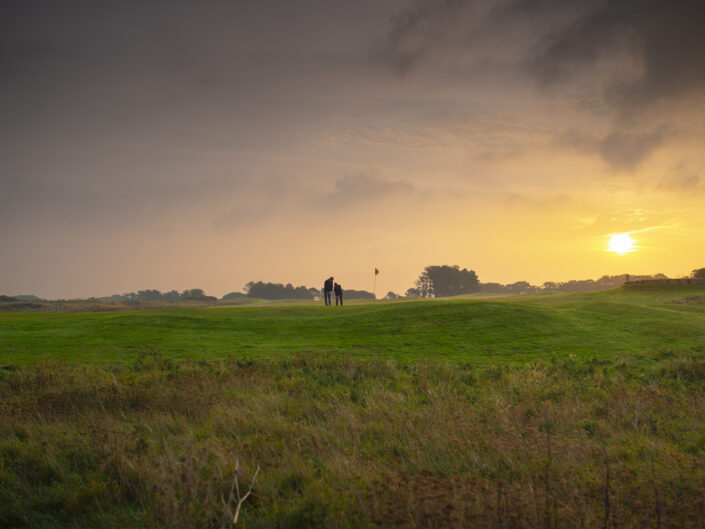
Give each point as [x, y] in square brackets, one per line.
[155, 295]
[262, 290]
[253, 289]
[434, 281]
[445, 280]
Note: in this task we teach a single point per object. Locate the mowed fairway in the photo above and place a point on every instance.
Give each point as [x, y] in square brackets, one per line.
[559, 411]
[512, 329]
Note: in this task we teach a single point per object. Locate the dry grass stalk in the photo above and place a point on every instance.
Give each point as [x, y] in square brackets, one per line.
[235, 489]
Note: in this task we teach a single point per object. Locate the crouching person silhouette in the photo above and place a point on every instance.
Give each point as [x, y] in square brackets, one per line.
[338, 294]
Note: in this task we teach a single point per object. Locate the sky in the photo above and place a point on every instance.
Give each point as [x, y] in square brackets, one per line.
[181, 144]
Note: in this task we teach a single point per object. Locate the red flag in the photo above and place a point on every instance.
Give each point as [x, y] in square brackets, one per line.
[376, 271]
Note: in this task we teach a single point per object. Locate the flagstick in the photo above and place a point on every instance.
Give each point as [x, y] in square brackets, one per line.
[374, 287]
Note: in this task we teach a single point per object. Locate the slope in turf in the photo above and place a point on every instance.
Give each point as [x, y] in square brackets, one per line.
[513, 329]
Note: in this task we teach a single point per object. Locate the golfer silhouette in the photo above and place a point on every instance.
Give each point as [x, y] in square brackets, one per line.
[327, 289]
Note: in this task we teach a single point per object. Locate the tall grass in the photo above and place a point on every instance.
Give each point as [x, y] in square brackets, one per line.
[350, 443]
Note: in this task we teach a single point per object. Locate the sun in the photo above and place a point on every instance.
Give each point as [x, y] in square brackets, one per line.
[620, 243]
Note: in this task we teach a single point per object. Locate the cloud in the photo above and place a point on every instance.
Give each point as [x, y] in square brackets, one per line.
[625, 150]
[243, 216]
[661, 42]
[298, 200]
[413, 31]
[59, 200]
[352, 190]
[682, 181]
[630, 67]
[636, 52]
[622, 150]
[543, 203]
[634, 221]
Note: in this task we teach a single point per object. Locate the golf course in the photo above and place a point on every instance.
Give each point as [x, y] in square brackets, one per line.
[558, 410]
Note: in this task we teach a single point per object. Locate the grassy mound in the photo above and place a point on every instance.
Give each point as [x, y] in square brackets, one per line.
[514, 329]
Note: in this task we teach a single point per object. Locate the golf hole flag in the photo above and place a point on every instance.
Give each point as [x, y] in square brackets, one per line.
[376, 271]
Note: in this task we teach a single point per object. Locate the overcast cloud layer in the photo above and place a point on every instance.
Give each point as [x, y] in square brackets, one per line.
[175, 144]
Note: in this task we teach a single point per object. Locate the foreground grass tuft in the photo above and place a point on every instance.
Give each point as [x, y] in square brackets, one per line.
[565, 442]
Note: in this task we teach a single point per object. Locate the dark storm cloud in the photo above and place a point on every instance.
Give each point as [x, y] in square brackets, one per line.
[664, 39]
[413, 31]
[623, 56]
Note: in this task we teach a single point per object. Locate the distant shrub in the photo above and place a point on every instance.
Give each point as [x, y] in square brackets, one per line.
[690, 300]
[196, 294]
[29, 297]
[232, 295]
[7, 299]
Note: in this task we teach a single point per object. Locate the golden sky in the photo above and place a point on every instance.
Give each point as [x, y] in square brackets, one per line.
[176, 145]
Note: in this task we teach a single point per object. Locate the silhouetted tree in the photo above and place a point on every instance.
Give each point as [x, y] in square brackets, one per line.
[495, 288]
[314, 293]
[424, 285]
[172, 295]
[413, 293]
[698, 273]
[149, 295]
[196, 294]
[301, 292]
[357, 294]
[520, 287]
[442, 281]
[264, 290]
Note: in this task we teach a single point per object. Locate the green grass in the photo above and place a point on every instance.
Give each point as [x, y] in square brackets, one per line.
[582, 410]
[511, 329]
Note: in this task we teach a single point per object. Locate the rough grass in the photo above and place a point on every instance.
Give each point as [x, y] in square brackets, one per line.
[355, 443]
[584, 410]
[691, 300]
[97, 305]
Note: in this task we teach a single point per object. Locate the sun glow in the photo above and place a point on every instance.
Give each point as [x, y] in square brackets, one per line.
[620, 243]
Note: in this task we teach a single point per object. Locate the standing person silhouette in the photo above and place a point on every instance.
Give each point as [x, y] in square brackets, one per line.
[327, 289]
[338, 294]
